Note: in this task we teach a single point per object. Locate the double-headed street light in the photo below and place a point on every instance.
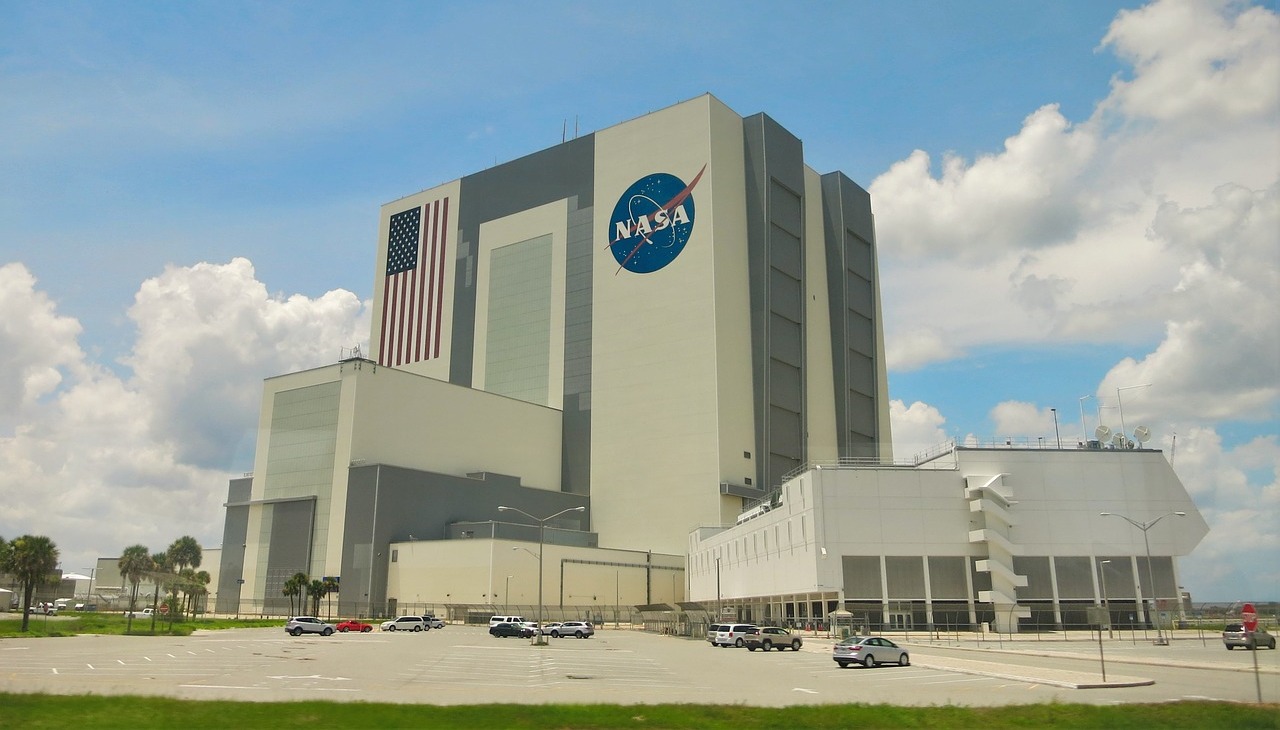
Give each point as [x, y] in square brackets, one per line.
[542, 530]
[1151, 576]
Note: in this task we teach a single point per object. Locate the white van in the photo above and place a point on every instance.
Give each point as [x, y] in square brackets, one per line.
[495, 620]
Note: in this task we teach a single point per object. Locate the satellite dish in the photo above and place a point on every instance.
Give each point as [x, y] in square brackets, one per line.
[1142, 434]
[1117, 440]
[1103, 433]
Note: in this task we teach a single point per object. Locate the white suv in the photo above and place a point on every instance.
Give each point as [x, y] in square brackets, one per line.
[580, 629]
[405, 623]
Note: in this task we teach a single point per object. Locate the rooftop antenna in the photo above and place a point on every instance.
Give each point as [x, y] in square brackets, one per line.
[564, 129]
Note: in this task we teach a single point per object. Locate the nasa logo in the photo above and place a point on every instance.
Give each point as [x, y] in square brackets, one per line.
[652, 222]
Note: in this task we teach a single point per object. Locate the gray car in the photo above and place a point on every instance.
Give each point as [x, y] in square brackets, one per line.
[1236, 634]
[299, 625]
[869, 651]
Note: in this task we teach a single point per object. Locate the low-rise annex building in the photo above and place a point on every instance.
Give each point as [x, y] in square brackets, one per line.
[1000, 535]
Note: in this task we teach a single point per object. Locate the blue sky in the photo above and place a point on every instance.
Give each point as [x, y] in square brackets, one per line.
[1071, 197]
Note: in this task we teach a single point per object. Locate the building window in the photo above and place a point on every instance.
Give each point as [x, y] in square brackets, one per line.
[395, 556]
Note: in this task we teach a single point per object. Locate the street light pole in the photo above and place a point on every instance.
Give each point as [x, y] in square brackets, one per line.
[1056, 432]
[1106, 603]
[506, 596]
[1151, 575]
[542, 532]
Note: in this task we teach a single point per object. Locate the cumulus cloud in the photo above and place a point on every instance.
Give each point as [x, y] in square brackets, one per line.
[915, 428]
[1074, 223]
[106, 460]
[37, 346]
[1238, 492]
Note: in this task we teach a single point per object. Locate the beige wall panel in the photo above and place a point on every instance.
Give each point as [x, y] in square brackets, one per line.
[731, 282]
[655, 447]
[820, 389]
[422, 423]
[550, 219]
[475, 572]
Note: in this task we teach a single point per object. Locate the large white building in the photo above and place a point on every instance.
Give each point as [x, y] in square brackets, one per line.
[658, 323]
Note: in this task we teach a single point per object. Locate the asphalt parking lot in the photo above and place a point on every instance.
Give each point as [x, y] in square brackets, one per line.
[464, 665]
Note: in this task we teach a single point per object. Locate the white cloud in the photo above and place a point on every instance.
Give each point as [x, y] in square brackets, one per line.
[1203, 61]
[1088, 231]
[36, 344]
[915, 428]
[101, 462]
[1238, 492]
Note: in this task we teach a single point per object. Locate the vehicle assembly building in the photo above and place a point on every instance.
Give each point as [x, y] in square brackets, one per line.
[626, 341]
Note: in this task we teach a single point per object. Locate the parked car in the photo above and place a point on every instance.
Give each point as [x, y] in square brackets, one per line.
[1236, 634]
[144, 613]
[869, 651]
[772, 637]
[547, 628]
[46, 609]
[532, 626]
[578, 629]
[495, 620]
[405, 623]
[503, 630]
[353, 625]
[299, 625]
[712, 630]
[733, 634]
[432, 622]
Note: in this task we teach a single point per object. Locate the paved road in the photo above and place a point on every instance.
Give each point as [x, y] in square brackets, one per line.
[464, 665]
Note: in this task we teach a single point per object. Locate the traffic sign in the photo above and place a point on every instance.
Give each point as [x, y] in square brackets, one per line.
[1249, 617]
[164, 608]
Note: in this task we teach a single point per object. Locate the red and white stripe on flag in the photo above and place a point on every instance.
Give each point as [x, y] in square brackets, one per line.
[413, 293]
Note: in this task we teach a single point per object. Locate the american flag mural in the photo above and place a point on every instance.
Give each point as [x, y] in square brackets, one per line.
[413, 293]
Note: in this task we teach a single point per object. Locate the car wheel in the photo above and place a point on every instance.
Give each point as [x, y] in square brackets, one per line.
[843, 664]
[795, 645]
[751, 648]
[768, 645]
[578, 634]
[327, 631]
[296, 631]
[343, 630]
[1272, 645]
[868, 661]
[904, 660]
[739, 643]
[366, 629]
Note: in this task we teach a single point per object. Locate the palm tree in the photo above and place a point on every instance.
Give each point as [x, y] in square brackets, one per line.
[134, 563]
[201, 580]
[315, 590]
[184, 552]
[161, 573]
[330, 588]
[295, 587]
[30, 559]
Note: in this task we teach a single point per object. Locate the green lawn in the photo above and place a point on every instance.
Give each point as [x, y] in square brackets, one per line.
[70, 624]
[49, 711]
